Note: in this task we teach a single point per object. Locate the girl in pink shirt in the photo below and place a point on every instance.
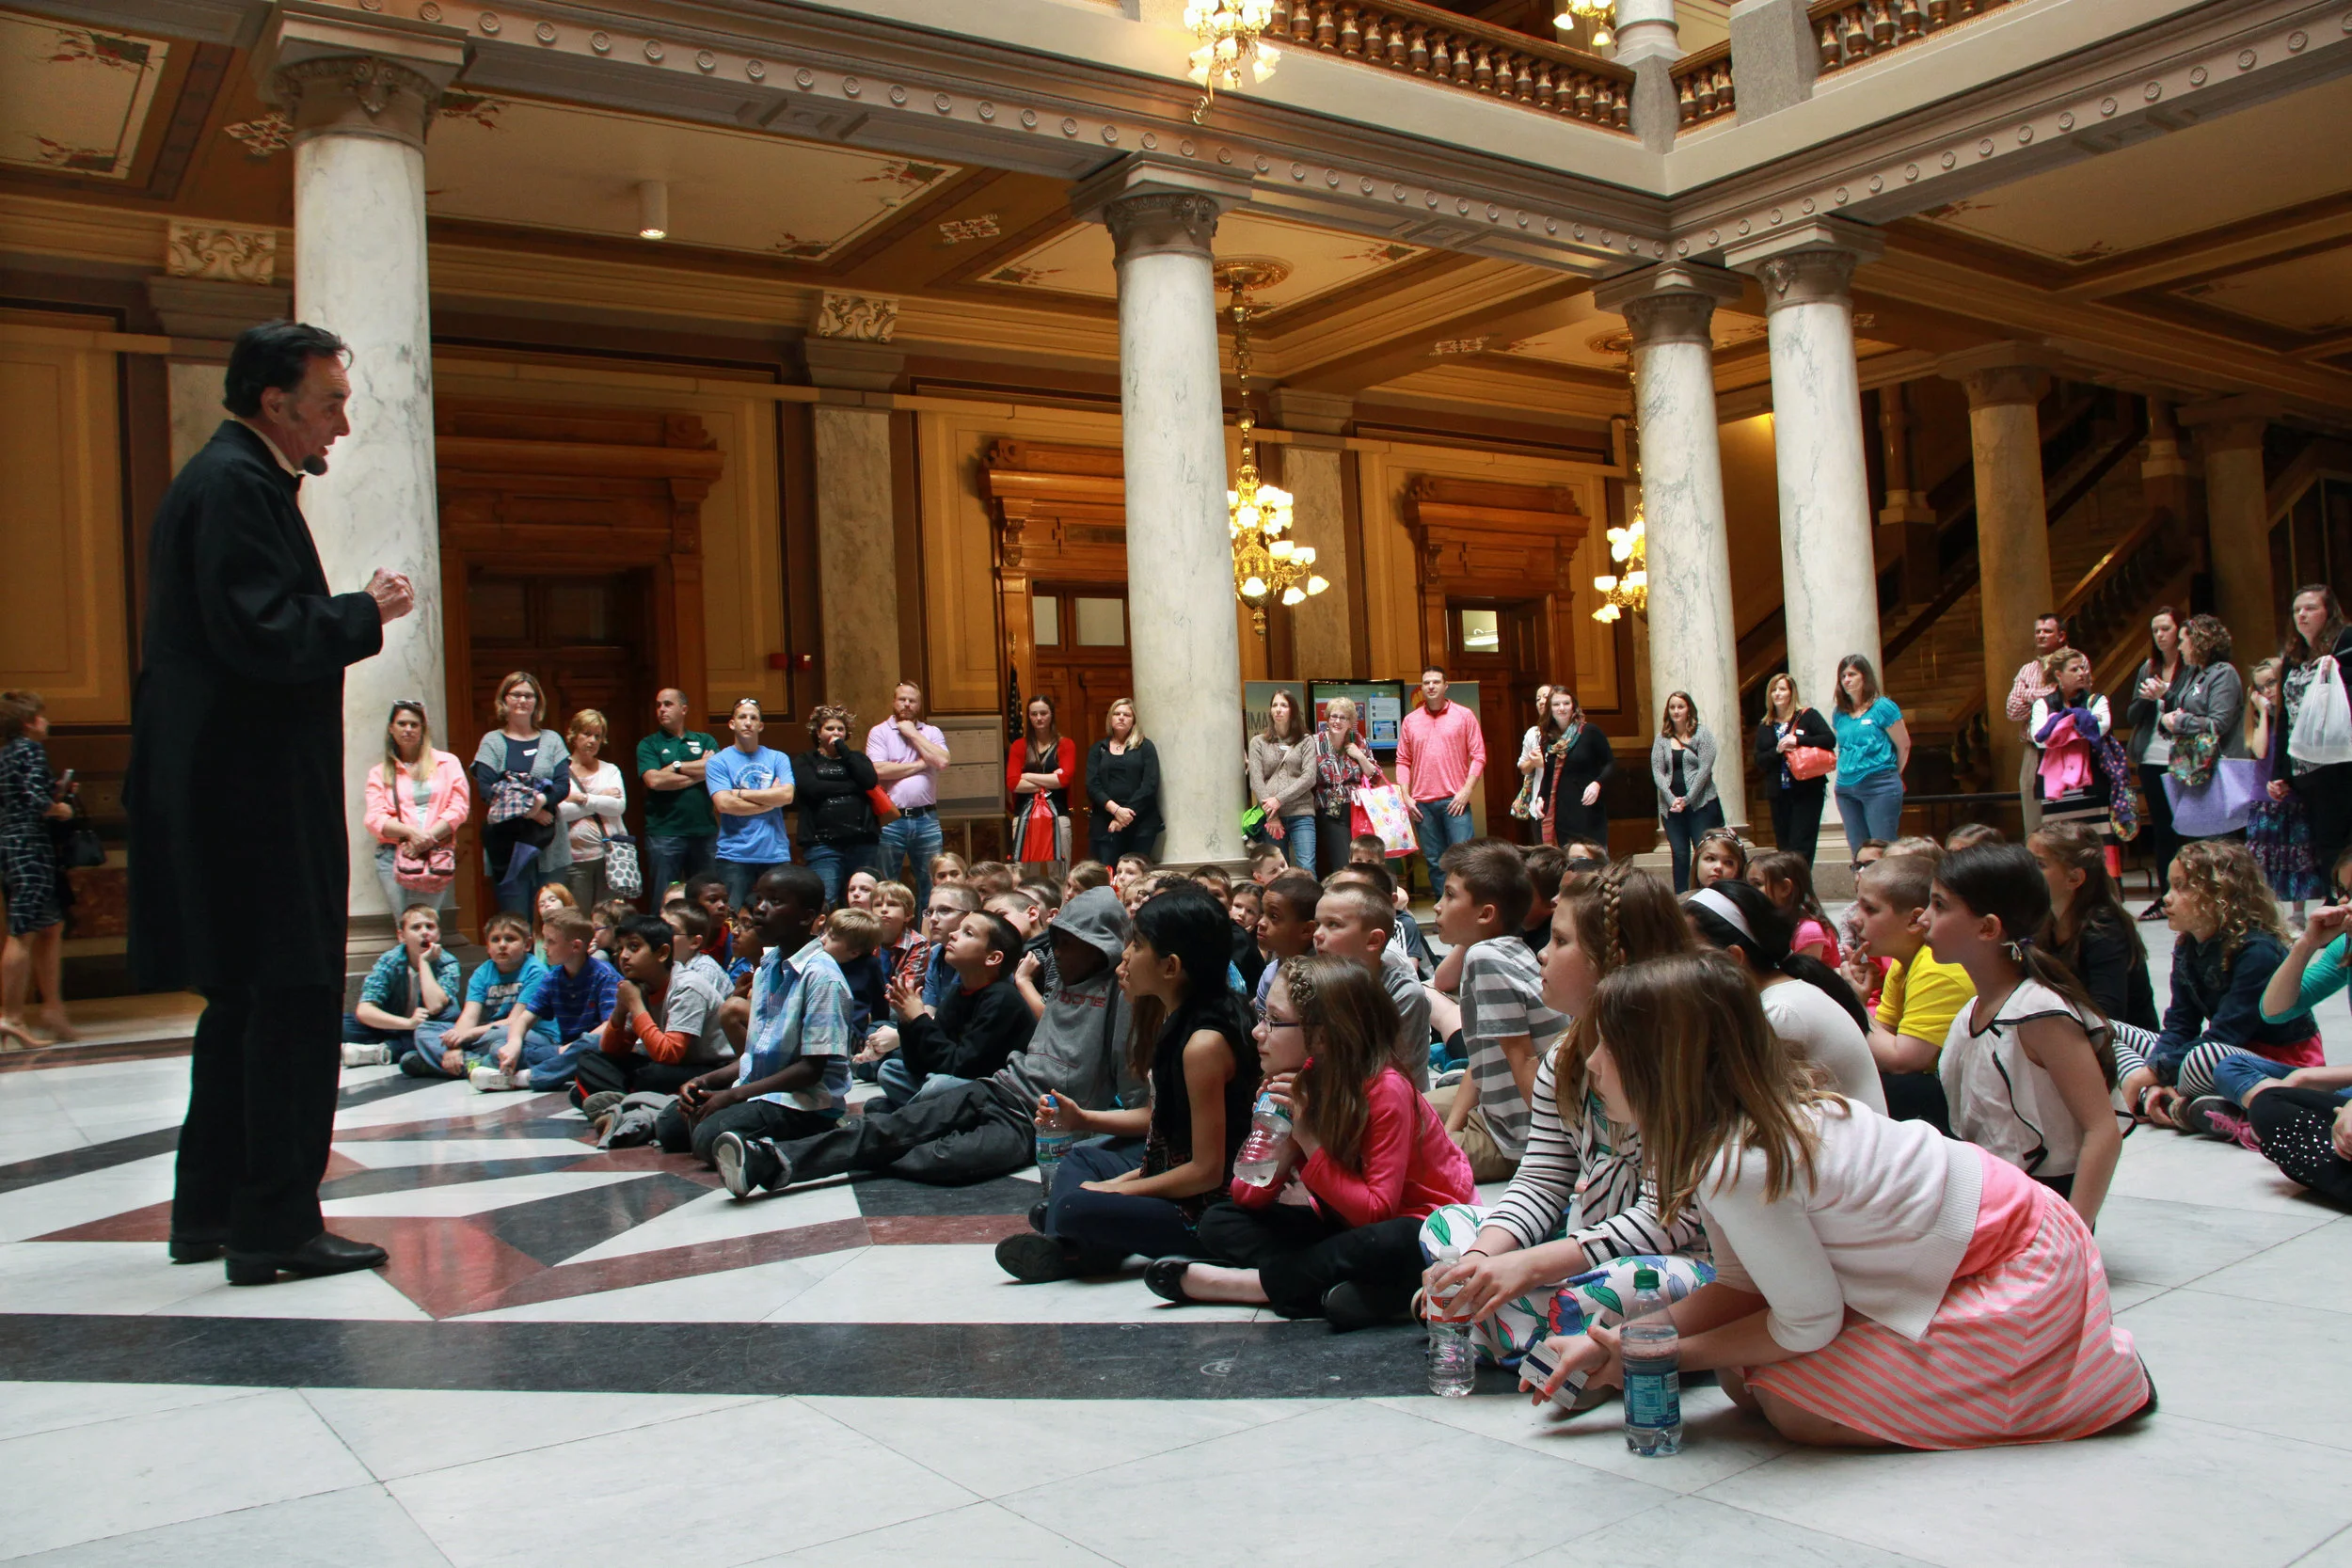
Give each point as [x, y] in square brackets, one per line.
[1335, 1232]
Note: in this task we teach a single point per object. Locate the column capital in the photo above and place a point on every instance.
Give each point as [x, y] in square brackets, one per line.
[1154, 205]
[2229, 424]
[1673, 302]
[2000, 373]
[1808, 264]
[335, 73]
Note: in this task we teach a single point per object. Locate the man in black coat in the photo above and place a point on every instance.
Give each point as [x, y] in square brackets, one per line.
[240, 859]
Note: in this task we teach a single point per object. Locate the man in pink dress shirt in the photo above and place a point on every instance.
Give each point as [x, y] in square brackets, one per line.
[2049, 636]
[908, 757]
[1439, 757]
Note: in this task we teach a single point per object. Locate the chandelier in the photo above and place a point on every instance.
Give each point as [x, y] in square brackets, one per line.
[1600, 12]
[1229, 33]
[1267, 564]
[1628, 587]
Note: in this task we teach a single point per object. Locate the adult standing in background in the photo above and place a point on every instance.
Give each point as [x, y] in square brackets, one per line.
[681, 831]
[1787, 726]
[1439, 755]
[840, 833]
[416, 801]
[2316, 632]
[1873, 749]
[2211, 701]
[1123, 786]
[1344, 765]
[243, 656]
[592, 811]
[1682, 765]
[1283, 779]
[2033, 686]
[908, 757]
[2156, 687]
[1037, 775]
[30, 799]
[1531, 762]
[522, 843]
[749, 785]
[1578, 762]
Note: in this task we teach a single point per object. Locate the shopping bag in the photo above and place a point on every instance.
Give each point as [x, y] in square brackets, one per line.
[2323, 724]
[2220, 804]
[621, 871]
[1383, 813]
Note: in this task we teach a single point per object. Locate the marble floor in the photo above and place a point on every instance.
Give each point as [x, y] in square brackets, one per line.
[590, 1358]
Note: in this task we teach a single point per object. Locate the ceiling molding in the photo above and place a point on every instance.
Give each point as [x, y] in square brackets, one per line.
[2223, 250]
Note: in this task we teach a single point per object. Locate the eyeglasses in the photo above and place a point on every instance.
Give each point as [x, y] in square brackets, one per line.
[1283, 1022]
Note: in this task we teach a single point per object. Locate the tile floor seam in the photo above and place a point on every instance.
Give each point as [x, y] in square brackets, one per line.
[1391, 1403]
[196, 1519]
[741, 1401]
[2340, 1535]
[2263, 1301]
[417, 1524]
[1815, 1529]
[2267, 1246]
[251, 1392]
[1667, 1501]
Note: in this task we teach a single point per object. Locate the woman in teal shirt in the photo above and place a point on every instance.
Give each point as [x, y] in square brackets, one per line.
[2302, 1120]
[1873, 747]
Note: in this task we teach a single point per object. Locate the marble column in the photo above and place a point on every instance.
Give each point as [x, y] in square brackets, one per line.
[2238, 519]
[1182, 628]
[2012, 530]
[1829, 575]
[1314, 467]
[361, 97]
[857, 529]
[1694, 645]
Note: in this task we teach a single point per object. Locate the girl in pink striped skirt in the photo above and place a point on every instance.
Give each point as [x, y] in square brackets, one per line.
[1877, 1284]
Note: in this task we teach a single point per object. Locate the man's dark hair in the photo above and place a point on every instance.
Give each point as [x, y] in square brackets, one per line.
[651, 929]
[274, 354]
[2051, 615]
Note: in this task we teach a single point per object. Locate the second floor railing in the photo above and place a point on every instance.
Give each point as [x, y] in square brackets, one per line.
[1848, 31]
[1423, 40]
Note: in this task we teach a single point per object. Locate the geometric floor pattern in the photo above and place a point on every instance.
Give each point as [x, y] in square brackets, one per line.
[583, 1359]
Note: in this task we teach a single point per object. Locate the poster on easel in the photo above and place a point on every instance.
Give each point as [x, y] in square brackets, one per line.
[1379, 710]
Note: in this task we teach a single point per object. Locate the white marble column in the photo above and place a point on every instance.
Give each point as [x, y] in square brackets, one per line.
[1694, 645]
[1829, 575]
[1182, 628]
[361, 101]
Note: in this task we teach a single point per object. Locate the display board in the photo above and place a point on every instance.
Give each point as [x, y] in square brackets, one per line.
[1379, 709]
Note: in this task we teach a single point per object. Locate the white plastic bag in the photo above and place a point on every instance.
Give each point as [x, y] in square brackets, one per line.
[2322, 726]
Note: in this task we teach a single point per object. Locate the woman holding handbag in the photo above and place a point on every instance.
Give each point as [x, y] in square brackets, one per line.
[2211, 786]
[1795, 751]
[415, 803]
[522, 773]
[1037, 774]
[2312, 668]
[592, 811]
[1342, 765]
[1282, 781]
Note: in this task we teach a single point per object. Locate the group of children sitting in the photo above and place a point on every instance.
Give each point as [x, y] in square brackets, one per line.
[1916, 1117]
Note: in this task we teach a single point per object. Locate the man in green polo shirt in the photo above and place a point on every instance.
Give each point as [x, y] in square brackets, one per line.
[681, 831]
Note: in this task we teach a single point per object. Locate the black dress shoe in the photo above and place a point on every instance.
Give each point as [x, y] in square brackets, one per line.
[1348, 1306]
[1165, 1279]
[325, 1253]
[196, 1249]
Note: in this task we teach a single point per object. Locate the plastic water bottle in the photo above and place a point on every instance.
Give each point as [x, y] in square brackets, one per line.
[1052, 1144]
[1452, 1361]
[1653, 1371]
[1269, 1139]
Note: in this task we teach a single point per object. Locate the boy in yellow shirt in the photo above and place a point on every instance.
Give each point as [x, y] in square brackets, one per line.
[1921, 996]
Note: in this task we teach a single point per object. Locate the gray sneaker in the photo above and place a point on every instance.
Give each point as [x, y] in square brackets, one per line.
[601, 1104]
[366, 1056]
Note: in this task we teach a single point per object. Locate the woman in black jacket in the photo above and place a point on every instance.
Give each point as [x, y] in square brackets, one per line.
[1787, 724]
[839, 831]
[2325, 790]
[2156, 687]
[1123, 783]
[1578, 762]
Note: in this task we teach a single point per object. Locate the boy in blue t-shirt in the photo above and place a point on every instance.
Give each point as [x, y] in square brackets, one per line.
[411, 987]
[576, 995]
[492, 991]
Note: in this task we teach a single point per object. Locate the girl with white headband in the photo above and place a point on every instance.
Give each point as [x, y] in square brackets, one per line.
[1805, 1001]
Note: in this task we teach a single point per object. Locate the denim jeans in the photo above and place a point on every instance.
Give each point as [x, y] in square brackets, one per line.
[899, 1084]
[550, 1064]
[742, 877]
[673, 858]
[1872, 806]
[914, 839]
[1438, 830]
[1298, 841]
[835, 863]
[1683, 829]
[1105, 1228]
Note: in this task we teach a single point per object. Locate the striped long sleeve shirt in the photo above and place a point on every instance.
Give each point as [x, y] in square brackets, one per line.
[1590, 1182]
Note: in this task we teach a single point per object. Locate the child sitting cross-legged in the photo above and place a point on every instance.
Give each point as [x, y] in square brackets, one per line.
[1368, 1152]
[982, 1022]
[1505, 1026]
[491, 992]
[576, 995]
[665, 1027]
[410, 989]
[1920, 996]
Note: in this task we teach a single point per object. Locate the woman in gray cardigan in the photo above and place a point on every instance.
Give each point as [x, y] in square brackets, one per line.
[521, 751]
[1283, 779]
[1682, 764]
[2211, 699]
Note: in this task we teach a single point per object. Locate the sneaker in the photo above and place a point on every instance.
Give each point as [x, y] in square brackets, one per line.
[1037, 1218]
[489, 1080]
[366, 1056]
[2218, 1118]
[600, 1105]
[1034, 1259]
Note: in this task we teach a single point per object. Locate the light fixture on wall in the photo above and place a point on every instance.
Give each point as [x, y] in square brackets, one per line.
[1229, 33]
[1601, 13]
[1628, 587]
[1267, 563]
[653, 208]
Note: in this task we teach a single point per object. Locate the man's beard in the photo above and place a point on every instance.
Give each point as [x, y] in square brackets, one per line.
[314, 466]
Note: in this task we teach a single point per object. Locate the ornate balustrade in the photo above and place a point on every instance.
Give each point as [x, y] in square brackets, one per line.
[1423, 40]
[1703, 85]
[1849, 31]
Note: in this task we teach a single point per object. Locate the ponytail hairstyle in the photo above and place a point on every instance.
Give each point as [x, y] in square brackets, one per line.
[1741, 917]
[1787, 866]
[1354, 1027]
[2076, 846]
[1620, 915]
[1187, 924]
[2004, 882]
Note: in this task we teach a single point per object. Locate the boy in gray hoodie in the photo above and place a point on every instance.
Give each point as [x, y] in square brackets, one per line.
[987, 1128]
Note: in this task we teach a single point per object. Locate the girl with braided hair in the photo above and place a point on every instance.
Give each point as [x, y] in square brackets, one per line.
[1559, 1251]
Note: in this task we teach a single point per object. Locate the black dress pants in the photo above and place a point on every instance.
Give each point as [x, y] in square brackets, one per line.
[1299, 1254]
[947, 1138]
[600, 1071]
[1797, 816]
[262, 1082]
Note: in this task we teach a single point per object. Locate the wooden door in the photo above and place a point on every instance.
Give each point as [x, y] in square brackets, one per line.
[1082, 662]
[1499, 646]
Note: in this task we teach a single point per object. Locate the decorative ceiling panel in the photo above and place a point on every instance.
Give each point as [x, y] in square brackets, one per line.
[1078, 260]
[2310, 293]
[74, 100]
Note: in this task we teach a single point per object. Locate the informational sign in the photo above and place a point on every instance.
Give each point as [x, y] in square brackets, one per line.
[1379, 709]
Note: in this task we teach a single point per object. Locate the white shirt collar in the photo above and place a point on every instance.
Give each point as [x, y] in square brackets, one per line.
[267, 442]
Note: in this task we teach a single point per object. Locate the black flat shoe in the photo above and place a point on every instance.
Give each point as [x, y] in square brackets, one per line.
[1348, 1306]
[1165, 1279]
[1035, 1260]
[324, 1253]
[196, 1249]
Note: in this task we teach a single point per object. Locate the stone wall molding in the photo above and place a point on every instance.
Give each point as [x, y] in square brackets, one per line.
[860, 318]
[221, 254]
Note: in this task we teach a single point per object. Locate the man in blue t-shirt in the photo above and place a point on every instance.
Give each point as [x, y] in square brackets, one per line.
[749, 785]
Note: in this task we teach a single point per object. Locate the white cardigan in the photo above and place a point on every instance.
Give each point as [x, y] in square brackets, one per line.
[1882, 1226]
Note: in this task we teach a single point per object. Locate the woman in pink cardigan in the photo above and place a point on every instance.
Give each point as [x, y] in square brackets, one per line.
[419, 798]
[1373, 1158]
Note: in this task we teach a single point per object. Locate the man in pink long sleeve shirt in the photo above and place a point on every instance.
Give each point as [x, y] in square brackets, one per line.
[1441, 753]
[2049, 636]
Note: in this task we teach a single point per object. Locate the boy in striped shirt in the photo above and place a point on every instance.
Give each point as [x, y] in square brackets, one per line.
[1505, 1026]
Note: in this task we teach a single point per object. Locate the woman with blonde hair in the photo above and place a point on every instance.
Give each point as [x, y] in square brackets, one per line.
[1344, 763]
[1282, 780]
[840, 832]
[1787, 724]
[416, 801]
[1124, 784]
[522, 773]
[592, 811]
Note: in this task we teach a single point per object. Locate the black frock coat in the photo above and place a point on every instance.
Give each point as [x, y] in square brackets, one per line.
[240, 856]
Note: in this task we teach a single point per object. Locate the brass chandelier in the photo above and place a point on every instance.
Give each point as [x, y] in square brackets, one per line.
[1267, 563]
[1229, 33]
[1600, 12]
[1628, 587]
